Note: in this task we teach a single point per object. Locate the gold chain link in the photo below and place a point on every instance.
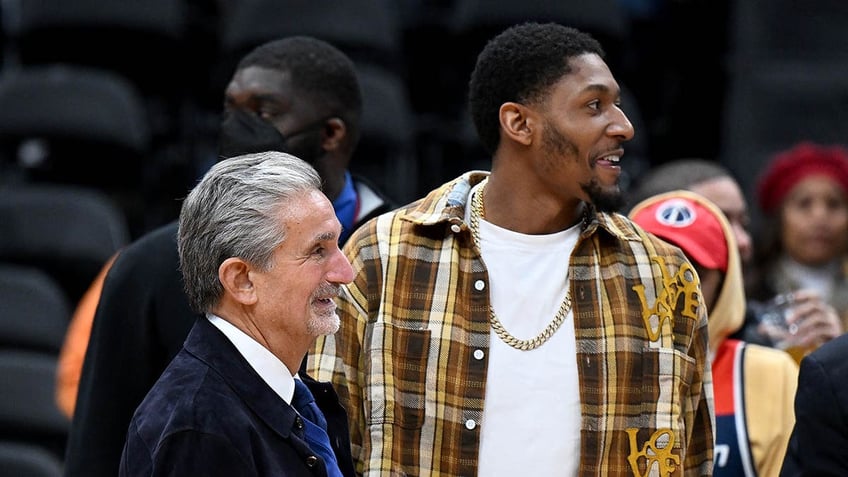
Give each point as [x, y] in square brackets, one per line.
[505, 336]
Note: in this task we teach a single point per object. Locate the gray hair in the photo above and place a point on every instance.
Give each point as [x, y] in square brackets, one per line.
[677, 174]
[233, 212]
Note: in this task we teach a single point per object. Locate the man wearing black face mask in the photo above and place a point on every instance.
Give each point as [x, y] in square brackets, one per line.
[297, 95]
[306, 102]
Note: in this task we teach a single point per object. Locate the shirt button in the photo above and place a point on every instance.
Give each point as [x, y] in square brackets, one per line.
[455, 228]
[479, 285]
[478, 354]
[470, 424]
[311, 461]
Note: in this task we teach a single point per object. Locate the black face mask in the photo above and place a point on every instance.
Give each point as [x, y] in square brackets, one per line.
[244, 133]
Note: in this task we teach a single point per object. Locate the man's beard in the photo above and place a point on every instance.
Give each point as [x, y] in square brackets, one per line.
[556, 145]
[604, 201]
[323, 325]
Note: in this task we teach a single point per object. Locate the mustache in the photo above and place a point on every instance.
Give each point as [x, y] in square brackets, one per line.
[329, 290]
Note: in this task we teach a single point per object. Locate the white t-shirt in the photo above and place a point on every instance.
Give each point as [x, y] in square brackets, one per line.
[531, 417]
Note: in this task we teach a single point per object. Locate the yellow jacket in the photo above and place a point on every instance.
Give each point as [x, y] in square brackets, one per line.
[770, 375]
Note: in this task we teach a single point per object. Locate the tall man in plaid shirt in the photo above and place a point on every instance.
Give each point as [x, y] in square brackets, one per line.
[512, 323]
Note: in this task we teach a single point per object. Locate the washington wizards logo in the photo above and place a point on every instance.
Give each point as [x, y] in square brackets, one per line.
[676, 213]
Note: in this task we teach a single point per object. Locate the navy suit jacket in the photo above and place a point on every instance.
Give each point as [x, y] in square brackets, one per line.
[210, 413]
[142, 320]
[819, 442]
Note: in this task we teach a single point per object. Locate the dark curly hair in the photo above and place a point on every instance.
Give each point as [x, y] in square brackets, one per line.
[521, 64]
[318, 69]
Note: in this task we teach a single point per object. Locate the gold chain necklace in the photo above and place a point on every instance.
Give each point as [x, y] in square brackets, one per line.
[505, 336]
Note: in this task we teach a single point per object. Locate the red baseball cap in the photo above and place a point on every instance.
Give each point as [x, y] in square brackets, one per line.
[689, 221]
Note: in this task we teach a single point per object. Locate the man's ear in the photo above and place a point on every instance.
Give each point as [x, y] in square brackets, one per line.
[335, 131]
[234, 274]
[517, 122]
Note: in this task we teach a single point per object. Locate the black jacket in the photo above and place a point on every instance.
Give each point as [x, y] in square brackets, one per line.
[210, 413]
[819, 443]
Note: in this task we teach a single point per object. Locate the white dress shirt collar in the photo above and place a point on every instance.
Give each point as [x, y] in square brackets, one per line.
[269, 367]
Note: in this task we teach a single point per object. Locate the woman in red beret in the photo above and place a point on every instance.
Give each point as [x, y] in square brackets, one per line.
[802, 254]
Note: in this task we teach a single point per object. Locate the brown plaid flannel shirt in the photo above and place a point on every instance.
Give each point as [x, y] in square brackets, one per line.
[405, 366]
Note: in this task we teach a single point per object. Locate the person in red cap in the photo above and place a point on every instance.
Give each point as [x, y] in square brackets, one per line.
[716, 183]
[754, 386]
[710, 179]
[802, 246]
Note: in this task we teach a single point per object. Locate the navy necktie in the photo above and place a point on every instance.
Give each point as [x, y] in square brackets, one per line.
[315, 426]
